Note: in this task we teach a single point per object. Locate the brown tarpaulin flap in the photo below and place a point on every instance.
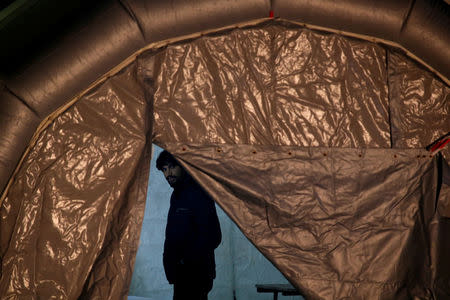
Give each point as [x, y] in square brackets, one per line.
[339, 223]
[73, 215]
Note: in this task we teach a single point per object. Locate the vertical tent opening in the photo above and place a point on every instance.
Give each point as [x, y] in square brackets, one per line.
[239, 265]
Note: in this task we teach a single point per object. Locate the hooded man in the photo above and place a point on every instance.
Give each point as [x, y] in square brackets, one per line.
[192, 234]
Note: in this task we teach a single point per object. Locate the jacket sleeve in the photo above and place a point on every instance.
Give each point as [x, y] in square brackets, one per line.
[169, 263]
[207, 224]
[178, 228]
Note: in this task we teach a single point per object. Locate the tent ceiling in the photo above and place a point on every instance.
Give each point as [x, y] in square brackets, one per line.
[41, 24]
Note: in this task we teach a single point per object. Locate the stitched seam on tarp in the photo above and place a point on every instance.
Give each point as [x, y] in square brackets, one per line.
[130, 12]
[22, 101]
[407, 15]
[389, 98]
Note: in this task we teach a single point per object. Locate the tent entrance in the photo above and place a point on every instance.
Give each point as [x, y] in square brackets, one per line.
[240, 266]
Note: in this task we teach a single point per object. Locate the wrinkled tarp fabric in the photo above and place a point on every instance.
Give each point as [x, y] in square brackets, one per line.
[339, 223]
[276, 86]
[293, 86]
[282, 86]
[72, 218]
[419, 104]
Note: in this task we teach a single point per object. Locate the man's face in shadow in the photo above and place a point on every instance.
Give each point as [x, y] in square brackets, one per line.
[174, 173]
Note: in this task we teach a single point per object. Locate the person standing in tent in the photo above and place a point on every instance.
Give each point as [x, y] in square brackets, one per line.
[192, 234]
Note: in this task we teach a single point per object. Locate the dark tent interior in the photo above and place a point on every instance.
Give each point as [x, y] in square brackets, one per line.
[306, 121]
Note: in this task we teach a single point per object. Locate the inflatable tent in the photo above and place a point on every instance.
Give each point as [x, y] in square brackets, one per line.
[306, 121]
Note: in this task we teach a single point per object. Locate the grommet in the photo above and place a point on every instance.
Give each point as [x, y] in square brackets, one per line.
[395, 155]
[254, 152]
[360, 155]
[424, 156]
[219, 150]
[418, 156]
[184, 149]
[324, 154]
[290, 153]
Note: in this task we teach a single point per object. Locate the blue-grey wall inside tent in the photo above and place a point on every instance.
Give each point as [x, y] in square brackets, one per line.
[123, 27]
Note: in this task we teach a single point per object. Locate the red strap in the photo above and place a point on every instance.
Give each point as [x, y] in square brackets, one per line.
[440, 145]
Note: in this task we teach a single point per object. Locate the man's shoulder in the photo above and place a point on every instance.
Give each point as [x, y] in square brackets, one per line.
[196, 190]
[196, 194]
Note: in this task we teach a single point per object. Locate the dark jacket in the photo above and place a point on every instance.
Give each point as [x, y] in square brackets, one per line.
[192, 232]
